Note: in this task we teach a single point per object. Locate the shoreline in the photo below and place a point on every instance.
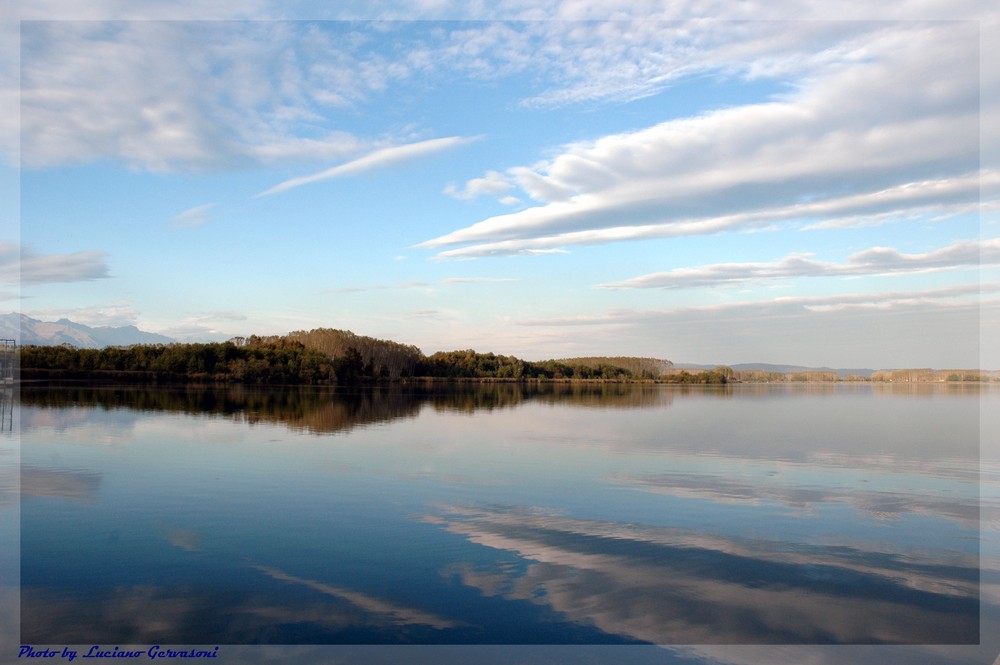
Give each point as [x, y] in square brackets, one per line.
[144, 380]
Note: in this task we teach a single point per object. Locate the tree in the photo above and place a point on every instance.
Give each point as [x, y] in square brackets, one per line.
[349, 366]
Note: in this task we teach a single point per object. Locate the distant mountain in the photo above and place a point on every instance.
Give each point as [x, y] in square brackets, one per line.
[783, 369]
[64, 331]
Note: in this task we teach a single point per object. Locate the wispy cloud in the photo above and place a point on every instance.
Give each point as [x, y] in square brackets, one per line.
[18, 263]
[418, 284]
[192, 218]
[378, 287]
[964, 295]
[118, 314]
[874, 261]
[880, 329]
[197, 327]
[477, 280]
[378, 159]
[430, 315]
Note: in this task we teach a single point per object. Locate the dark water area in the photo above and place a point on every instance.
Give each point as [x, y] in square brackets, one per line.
[502, 514]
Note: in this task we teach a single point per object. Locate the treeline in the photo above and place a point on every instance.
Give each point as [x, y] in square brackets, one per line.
[934, 376]
[255, 361]
[470, 364]
[764, 376]
[718, 375]
[316, 357]
[641, 368]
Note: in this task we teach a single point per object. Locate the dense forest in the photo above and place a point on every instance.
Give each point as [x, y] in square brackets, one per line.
[322, 357]
[254, 362]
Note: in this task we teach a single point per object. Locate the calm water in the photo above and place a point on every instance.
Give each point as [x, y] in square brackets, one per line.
[502, 515]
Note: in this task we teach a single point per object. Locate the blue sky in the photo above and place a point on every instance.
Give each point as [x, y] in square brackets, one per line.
[545, 181]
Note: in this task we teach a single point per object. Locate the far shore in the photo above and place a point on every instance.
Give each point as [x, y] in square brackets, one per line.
[108, 378]
[327, 357]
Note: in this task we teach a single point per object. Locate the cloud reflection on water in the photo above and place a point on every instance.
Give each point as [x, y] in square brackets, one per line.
[880, 505]
[389, 611]
[150, 614]
[188, 540]
[666, 586]
[75, 485]
[136, 614]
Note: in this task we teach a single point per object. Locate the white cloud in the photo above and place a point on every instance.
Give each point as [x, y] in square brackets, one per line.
[929, 199]
[19, 264]
[874, 261]
[171, 95]
[14, 12]
[933, 199]
[630, 52]
[125, 10]
[891, 125]
[182, 95]
[91, 90]
[378, 159]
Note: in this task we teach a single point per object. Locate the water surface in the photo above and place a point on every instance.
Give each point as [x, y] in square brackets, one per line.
[502, 514]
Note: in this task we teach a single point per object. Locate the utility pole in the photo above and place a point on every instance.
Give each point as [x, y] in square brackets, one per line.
[8, 360]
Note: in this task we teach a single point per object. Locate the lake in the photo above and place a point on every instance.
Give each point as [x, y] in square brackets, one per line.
[502, 514]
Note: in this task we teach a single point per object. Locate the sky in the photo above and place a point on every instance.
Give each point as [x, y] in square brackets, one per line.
[727, 183]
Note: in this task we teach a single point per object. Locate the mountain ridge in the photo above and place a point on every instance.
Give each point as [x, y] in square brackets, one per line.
[26, 330]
